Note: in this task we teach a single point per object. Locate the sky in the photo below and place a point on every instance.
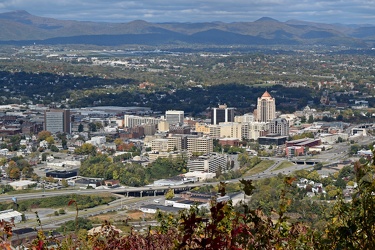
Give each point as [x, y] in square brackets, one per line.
[325, 11]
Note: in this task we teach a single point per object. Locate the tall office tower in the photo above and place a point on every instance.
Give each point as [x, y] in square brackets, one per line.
[174, 117]
[266, 108]
[57, 120]
[222, 114]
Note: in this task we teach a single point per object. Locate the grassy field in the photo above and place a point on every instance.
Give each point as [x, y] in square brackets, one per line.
[263, 165]
[284, 164]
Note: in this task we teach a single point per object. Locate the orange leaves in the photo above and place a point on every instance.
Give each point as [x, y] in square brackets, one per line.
[289, 180]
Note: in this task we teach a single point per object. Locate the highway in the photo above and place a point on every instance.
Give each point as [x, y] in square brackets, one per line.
[52, 221]
[338, 152]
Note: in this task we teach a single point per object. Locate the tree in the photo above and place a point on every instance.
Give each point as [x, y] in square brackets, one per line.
[44, 156]
[354, 149]
[340, 183]
[80, 127]
[14, 172]
[50, 140]
[80, 223]
[3, 161]
[311, 119]
[27, 172]
[339, 139]
[170, 194]
[318, 166]
[42, 135]
[64, 183]
[86, 149]
[314, 176]
[92, 127]
[54, 148]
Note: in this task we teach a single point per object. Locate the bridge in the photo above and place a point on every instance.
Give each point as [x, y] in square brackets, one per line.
[154, 190]
[305, 162]
[365, 125]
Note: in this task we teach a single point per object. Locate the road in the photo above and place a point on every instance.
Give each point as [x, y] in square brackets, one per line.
[52, 221]
[338, 152]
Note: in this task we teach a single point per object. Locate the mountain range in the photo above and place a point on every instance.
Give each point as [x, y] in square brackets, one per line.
[22, 28]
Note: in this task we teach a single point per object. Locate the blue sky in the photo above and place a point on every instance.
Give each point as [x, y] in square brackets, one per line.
[327, 11]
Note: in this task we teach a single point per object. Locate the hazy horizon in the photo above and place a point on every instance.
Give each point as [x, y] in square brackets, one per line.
[116, 11]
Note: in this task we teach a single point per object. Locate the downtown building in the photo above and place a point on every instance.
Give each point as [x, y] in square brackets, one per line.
[174, 117]
[208, 163]
[131, 121]
[203, 145]
[266, 108]
[279, 126]
[222, 114]
[57, 120]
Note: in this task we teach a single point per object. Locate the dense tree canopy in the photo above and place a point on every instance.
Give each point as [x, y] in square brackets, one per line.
[131, 174]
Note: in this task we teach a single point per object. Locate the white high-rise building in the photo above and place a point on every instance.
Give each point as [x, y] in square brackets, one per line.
[174, 117]
[209, 163]
[131, 121]
[244, 118]
[253, 130]
[266, 108]
[279, 126]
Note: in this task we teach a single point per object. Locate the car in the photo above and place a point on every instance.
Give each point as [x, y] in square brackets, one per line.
[156, 201]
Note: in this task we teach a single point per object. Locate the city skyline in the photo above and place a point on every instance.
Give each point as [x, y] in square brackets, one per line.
[345, 11]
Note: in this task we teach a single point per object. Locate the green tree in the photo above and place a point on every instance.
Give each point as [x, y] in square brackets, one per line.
[169, 195]
[70, 226]
[54, 148]
[50, 140]
[64, 183]
[314, 176]
[311, 119]
[80, 127]
[92, 127]
[318, 166]
[86, 149]
[354, 149]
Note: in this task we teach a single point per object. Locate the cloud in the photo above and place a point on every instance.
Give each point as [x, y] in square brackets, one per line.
[331, 11]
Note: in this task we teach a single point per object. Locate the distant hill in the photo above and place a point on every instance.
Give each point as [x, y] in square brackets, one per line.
[21, 27]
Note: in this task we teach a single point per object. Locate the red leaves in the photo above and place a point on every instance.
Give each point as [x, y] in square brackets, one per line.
[71, 202]
[40, 245]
